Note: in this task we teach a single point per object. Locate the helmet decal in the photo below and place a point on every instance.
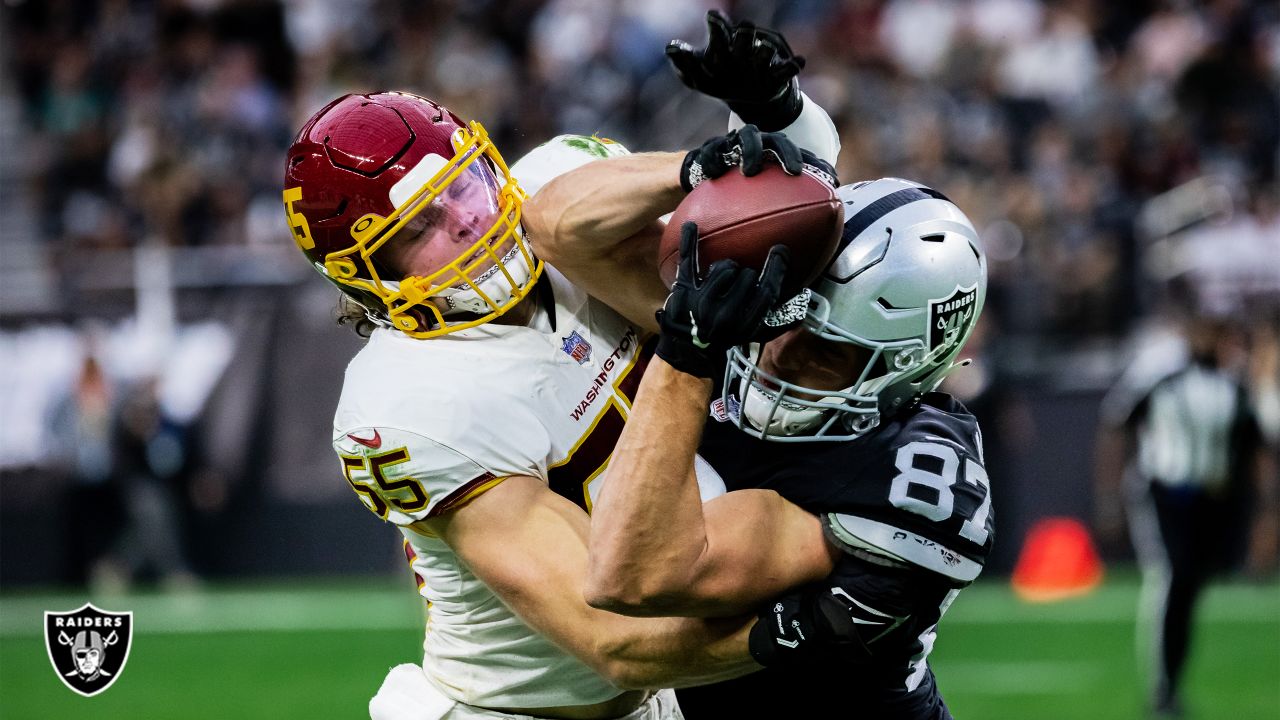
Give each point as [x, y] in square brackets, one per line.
[951, 318]
[297, 221]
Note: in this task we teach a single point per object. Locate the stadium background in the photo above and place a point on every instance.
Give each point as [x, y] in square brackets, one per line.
[170, 365]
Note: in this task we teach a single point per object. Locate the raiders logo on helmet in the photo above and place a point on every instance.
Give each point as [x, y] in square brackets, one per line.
[949, 319]
[88, 647]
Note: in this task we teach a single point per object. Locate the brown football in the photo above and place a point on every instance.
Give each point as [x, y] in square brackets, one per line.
[742, 217]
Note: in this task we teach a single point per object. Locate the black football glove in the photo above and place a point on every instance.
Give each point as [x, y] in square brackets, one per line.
[744, 148]
[752, 69]
[704, 316]
[862, 614]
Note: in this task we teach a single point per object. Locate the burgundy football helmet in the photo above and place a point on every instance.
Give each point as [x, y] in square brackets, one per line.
[398, 173]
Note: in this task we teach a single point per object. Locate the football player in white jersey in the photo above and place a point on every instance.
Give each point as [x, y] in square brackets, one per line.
[480, 415]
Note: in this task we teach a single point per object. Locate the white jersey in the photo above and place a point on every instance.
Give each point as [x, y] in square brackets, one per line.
[425, 426]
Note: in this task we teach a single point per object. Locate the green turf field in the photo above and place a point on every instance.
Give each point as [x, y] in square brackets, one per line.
[319, 651]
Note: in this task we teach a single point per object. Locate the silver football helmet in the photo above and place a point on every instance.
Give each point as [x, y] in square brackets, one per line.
[906, 285]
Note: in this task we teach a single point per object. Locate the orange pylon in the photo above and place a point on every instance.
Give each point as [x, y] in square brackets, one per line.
[1058, 561]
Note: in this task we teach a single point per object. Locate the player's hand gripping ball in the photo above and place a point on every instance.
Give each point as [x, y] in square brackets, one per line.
[710, 311]
[742, 215]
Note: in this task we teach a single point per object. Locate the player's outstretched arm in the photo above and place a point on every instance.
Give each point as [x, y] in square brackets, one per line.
[754, 71]
[655, 549]
[529, 546]
[599, 223]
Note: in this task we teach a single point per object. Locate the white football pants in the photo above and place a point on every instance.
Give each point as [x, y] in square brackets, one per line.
[407, 694]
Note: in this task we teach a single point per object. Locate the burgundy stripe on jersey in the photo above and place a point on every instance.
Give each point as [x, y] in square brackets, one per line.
[631, 382]
[570, 478]
[456, 498]
[410, 554]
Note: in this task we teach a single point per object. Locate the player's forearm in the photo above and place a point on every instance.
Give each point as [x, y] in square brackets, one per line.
[679, 652]
[529, 546]
[648, 533]
[587, 212]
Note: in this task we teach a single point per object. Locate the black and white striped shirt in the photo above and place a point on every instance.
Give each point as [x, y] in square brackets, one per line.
[1194, 426]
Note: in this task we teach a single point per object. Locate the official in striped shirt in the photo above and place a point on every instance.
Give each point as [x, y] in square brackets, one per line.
[1198, 469]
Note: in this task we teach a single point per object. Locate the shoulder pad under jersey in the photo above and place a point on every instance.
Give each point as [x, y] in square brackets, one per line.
[559, 155]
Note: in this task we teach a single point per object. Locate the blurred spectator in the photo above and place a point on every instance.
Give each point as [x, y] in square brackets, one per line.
[83, 424]
[1057, 64]
[1052, 121]
[151, 456]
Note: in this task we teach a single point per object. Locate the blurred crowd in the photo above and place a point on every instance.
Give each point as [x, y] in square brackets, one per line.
[1112, 154]
[1053, 123]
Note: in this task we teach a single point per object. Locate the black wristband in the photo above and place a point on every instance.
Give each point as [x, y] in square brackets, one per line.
[782, 631]
[682, 355]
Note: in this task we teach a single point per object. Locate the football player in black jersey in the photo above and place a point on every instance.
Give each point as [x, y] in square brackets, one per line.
[838, 416]
[825, 404]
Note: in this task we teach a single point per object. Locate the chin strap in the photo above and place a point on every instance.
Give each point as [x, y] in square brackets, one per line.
[493, 284]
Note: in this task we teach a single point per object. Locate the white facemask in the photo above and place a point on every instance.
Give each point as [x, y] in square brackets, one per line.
[789, 419]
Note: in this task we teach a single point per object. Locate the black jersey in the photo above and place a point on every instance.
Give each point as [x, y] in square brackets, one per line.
[915, 490]
[915, 487]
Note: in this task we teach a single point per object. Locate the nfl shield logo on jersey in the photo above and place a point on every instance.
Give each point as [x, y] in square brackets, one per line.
[949, 319]
[577, 348]
[88, 647]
